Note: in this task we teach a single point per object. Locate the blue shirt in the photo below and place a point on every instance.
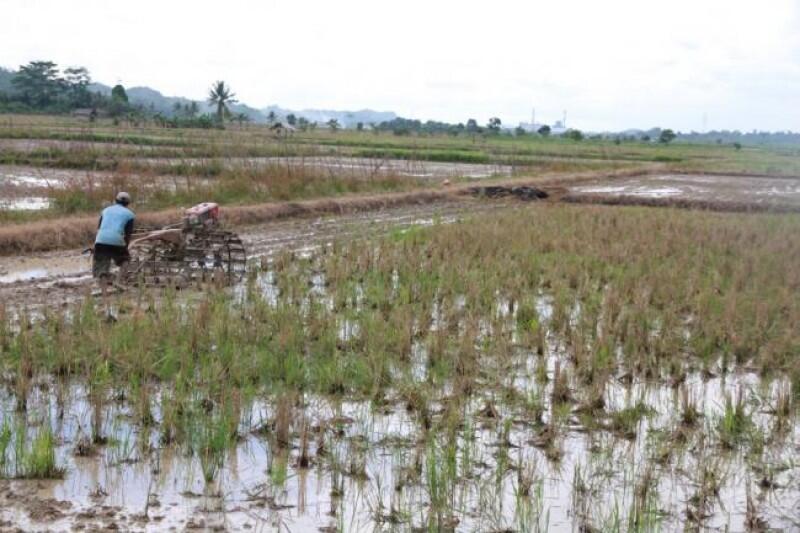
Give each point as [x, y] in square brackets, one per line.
[113, 221]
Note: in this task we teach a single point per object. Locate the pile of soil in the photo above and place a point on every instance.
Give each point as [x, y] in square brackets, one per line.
[523, 192]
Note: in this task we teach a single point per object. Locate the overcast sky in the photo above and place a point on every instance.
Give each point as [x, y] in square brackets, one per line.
[612, 64]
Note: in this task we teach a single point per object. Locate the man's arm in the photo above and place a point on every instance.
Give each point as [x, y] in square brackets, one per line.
[128, 232]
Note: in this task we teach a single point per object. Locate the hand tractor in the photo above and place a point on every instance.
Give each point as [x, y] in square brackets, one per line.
[195, 250]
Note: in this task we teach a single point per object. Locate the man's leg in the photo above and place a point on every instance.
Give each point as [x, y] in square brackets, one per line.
[122, 272]
[101, 267]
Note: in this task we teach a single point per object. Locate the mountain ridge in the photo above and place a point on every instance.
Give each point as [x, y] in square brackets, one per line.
[153, 99]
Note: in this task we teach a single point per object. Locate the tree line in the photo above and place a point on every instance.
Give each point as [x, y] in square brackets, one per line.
[42, 87]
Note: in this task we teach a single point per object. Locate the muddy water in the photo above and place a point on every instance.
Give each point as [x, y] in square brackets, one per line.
[35, 178]
[20, 182]
[356, 166]
[703, 188]
[375, 471]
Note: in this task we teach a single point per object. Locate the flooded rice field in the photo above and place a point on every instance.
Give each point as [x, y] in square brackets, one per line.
[704, 189]
[355, 466]
[352, 166]
[30, 179]
[33, 188]
[439, 368]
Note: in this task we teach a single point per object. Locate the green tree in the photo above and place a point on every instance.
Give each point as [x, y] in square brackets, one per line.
[291, 119]
[118, 94]
[77, 80]
[360, 126]
[119, 101]
[220, 96]
[472, 126]
[272, 117]
[241, 118]
[38, 83]
[573, 134]
[667, 136]
[494, 124]
[302, 123]
[333, 124]
[544, 131]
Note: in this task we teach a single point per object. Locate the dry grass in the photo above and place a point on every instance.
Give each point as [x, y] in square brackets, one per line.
[683, 203]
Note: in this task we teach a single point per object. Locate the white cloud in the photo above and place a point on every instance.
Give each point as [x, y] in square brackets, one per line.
[613, 64]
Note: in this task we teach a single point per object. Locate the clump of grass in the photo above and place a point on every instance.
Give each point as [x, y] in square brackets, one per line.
[734, 425]
[40, 461]
[283, 420]
[689, 413]
[626, 421]
[561, 392]
[30, 460]
[5, 441]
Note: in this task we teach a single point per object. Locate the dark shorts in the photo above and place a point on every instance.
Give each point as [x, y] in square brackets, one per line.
[104, 254]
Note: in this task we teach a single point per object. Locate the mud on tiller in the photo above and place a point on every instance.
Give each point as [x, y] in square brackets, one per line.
[195, 250]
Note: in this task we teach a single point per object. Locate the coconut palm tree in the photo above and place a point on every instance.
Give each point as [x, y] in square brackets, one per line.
[241, 118]
[220, 96]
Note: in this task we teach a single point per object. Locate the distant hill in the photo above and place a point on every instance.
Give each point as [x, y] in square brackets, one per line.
[347, 119]
[152, 99]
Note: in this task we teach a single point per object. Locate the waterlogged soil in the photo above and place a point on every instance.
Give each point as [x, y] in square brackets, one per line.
[569, 468]
[353, 166]
[367, 466]
[704, 189]
[29, 179]
[56, 278]
[32, 188]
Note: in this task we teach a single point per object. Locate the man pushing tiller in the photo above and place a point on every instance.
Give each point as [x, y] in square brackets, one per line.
[113, 237]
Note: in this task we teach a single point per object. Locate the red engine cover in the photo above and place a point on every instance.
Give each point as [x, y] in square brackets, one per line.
[204, 210]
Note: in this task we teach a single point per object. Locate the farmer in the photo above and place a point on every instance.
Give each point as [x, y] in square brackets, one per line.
[113, 236]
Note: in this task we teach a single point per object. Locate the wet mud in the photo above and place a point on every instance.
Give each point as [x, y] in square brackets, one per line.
[733, 193]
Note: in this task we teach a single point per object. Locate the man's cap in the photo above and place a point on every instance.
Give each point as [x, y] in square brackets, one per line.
[123, 198]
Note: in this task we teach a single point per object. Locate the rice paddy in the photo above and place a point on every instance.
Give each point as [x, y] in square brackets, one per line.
[540, 367]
